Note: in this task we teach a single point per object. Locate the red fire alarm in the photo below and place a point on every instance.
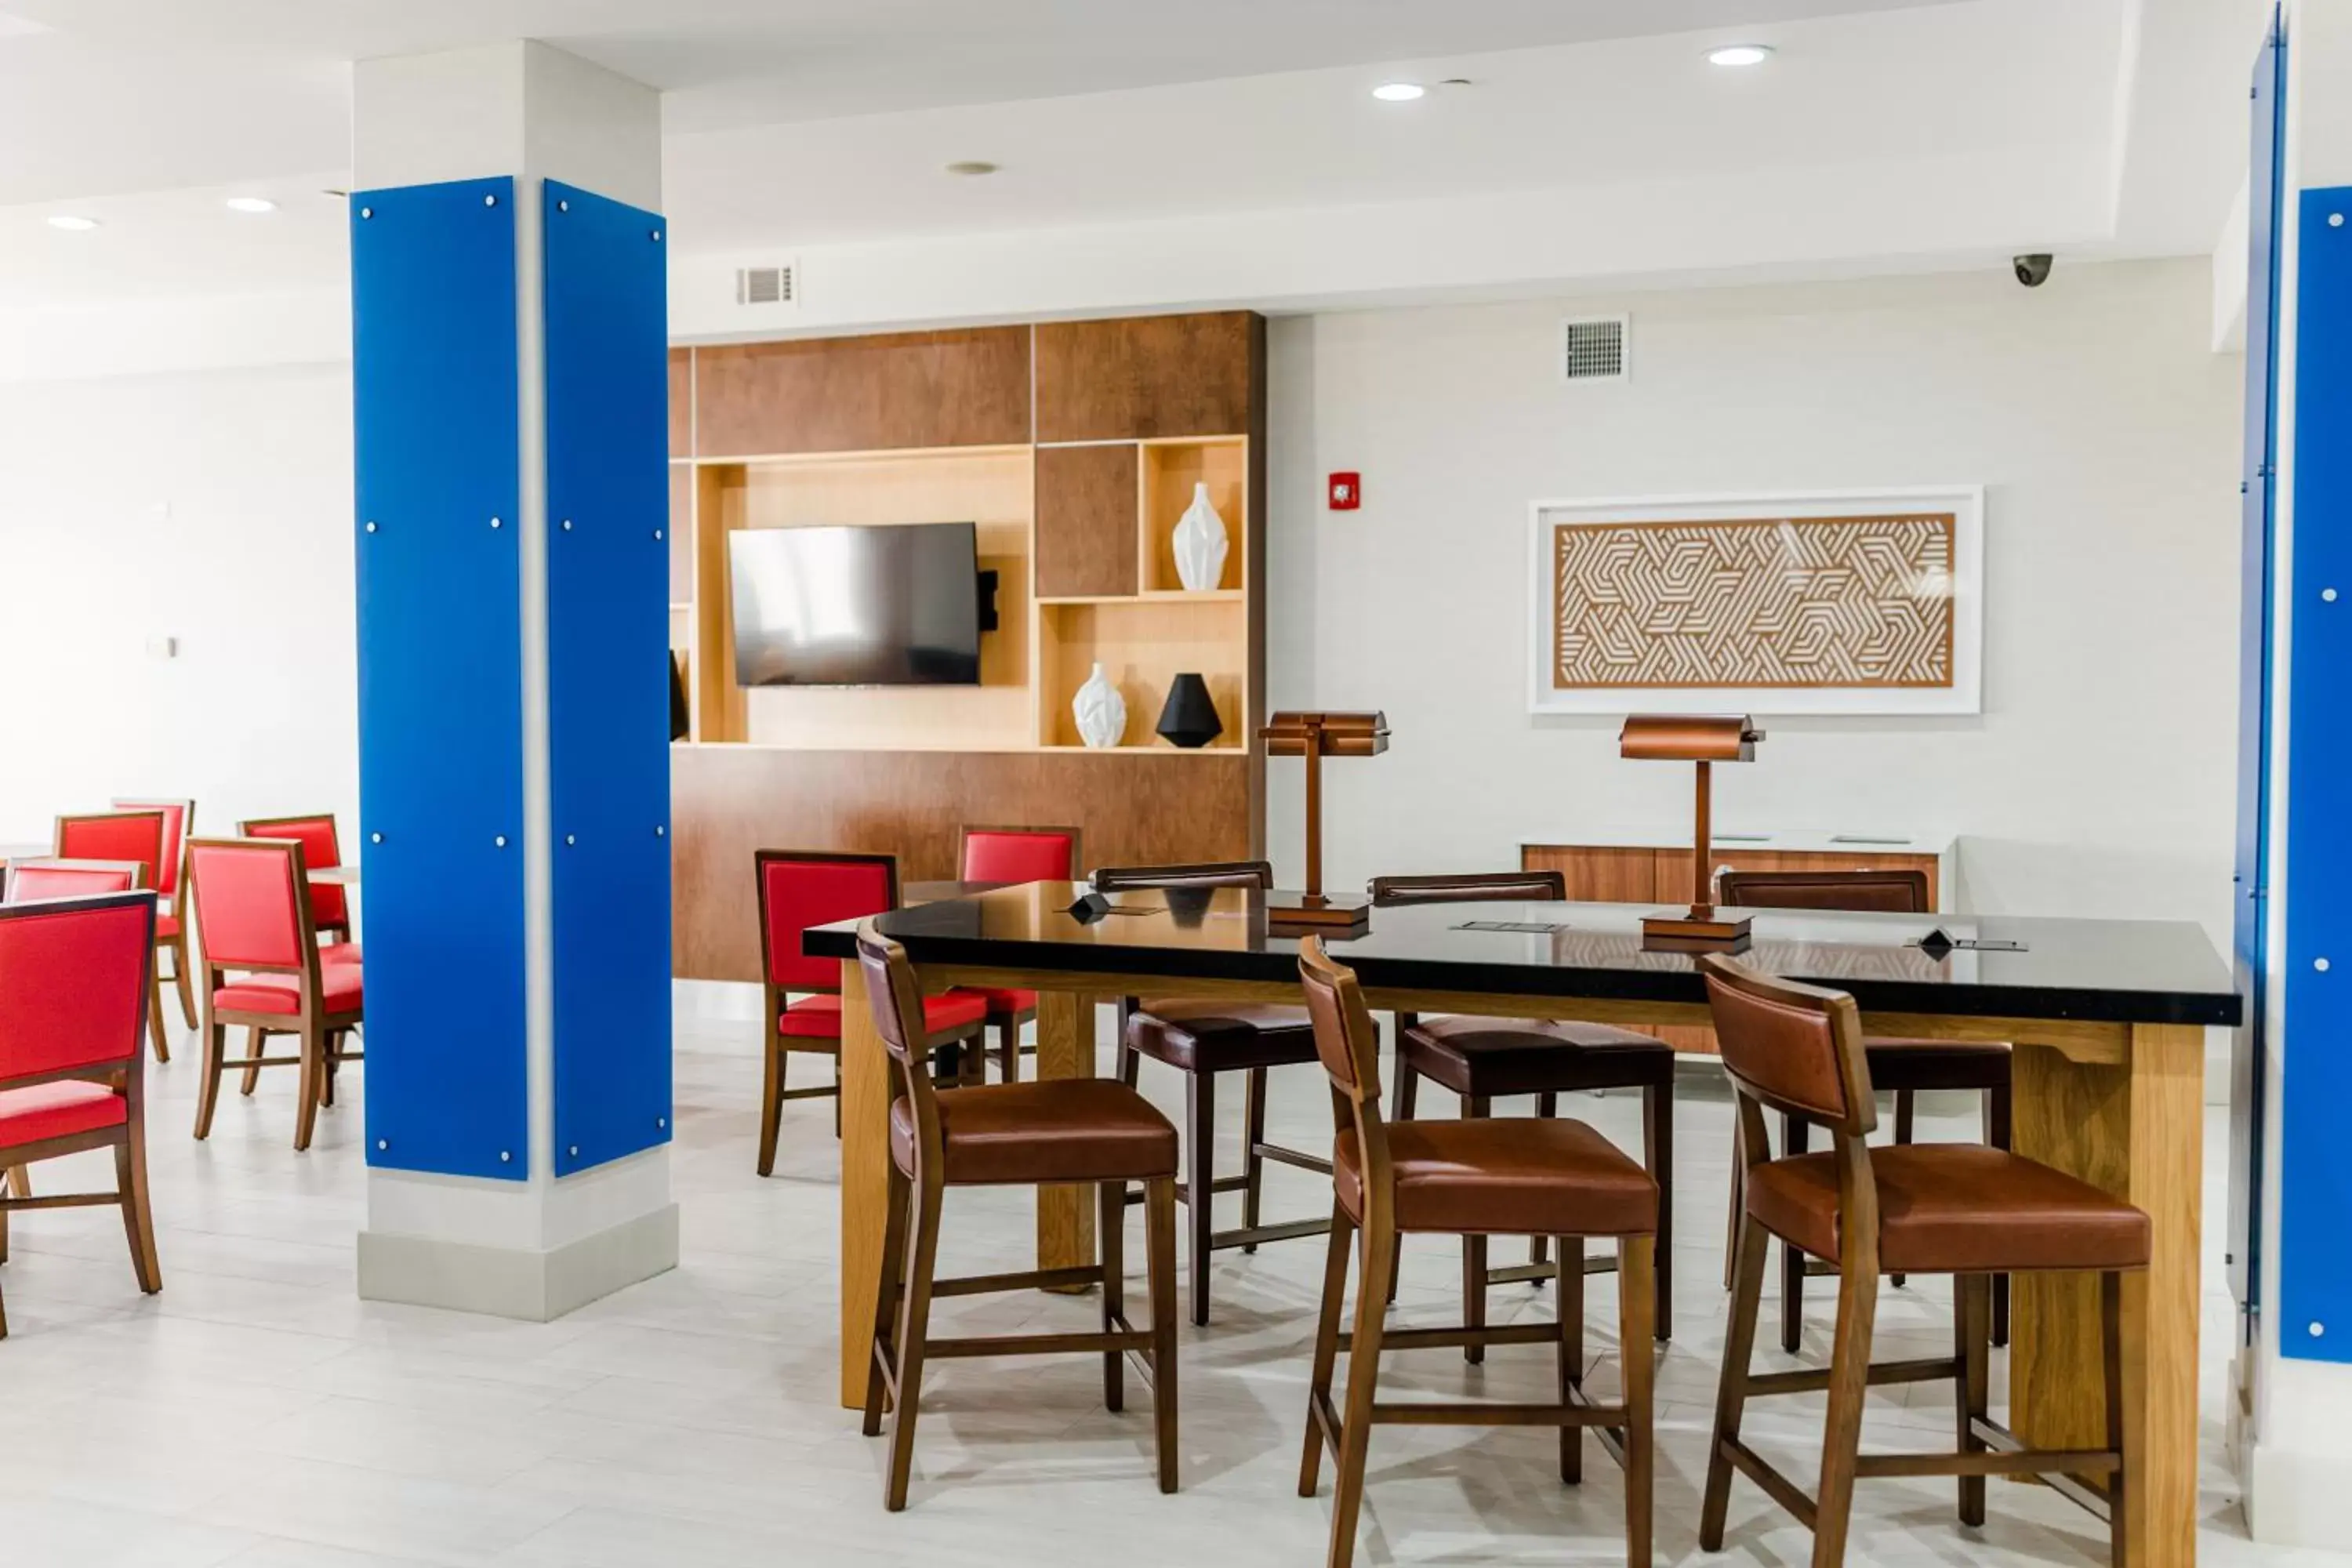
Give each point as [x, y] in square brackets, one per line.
[1347, 491]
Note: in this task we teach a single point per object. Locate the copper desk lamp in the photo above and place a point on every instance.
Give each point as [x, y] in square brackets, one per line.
[1316, 736]
[1676, 738]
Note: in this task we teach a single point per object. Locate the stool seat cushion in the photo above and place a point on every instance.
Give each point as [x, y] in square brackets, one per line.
[1954, 1208]
[1934, 1064]
[819, 1017]
[1516, 1175]
[61, 1110]
[1001, 1002]
[1488, 1057]
[1221, 1036]
[339, 984]
[1065, 1129]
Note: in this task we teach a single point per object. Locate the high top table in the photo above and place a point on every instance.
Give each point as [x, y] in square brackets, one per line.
[2107, 1018]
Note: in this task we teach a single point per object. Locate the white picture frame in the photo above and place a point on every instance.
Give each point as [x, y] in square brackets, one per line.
[1963, 695]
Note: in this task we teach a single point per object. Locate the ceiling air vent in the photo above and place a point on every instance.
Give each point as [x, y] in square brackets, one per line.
[765, 286]
[1594, 349]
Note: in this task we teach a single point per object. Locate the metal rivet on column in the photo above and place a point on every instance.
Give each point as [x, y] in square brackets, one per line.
[575, 1151]
[370, 528]
[489, 201]
[501, 841]
[569, 840]
[563, 207]
[2320, 964]
[367, 212]
[382, 1144]
[498, 523]
[659, 831]
[662, 1122]
[567, 525]
[2317, 1329]
[375, 837]
[506, 1156]
[656, 535]
[2335, 220]
[2328, 595]
[656, 236]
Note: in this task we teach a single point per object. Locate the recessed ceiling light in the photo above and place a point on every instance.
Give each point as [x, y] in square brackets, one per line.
[251, 205]
[1739, 55]
[973, 167]
[73, 221]
[1399, 92]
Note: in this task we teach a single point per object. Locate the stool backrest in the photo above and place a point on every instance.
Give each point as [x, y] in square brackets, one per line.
[1470, 888]
[1796, 1048]
[179, 817]
[1257, 874]
[53, 878]
[1880, 892]
[329, 906]
[1348, 1043]
[73, 988]
[896, 1002]
[1018, 854]
[246, 895]
[134, 836]
[800, 889]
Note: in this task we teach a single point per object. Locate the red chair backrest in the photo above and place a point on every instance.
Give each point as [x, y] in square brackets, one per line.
[179, 816]
[31, 879]
[799, 891]
[73, 984]
[134, 835]
[1019, 855]
[247, 898]
[320, 849]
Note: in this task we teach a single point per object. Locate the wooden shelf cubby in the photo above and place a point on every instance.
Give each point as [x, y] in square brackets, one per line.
[1143, 645]
[1169, 471]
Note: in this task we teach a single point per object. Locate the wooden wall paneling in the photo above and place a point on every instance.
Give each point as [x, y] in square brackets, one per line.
[1085, 520]
[968, 387]
[1143, 645]
[1597, 874]
[1170, 469]
[1254, 705]
[991, 488]
[729, 801]
[717, 702]
[1148, 376]
[681, 402]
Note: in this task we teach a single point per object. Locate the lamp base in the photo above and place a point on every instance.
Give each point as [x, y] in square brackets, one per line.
[1318, 914]
[1696, 930]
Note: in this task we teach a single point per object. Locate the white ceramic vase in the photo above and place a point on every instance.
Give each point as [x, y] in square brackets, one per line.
[1100, 710]
[1200, 544]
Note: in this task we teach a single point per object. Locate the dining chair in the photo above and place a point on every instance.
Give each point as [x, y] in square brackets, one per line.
[131, 835]
[1903, 1066]
[1203, 1040]
[1483, 1059]
[73, 1003]
[800, 889]
[998, 1135]
[1013, 855]
[263, 971]
[1491, 1176]
[330, 906]
[1962, 1209]
[49, 878]
[170, 933]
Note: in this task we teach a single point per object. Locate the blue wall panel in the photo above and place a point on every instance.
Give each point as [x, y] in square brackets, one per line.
[2316, 1158]
[436, 458]
[608, 645]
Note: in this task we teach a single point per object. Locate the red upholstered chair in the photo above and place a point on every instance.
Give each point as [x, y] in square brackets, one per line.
[253, 919]
[29, 881]
[73, 992]
[1014, 855]
[133, 836]
[331, 912]
[800, 889]
[170, 933]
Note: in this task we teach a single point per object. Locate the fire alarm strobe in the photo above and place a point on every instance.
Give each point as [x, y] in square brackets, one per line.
[1347, 491]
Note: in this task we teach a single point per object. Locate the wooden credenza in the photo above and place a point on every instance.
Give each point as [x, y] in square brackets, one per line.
[1634, 873]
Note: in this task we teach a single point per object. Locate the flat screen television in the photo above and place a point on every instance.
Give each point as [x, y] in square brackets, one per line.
[895, 606]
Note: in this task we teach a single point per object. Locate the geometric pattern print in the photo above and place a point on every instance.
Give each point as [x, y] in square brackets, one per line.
[1786, 602]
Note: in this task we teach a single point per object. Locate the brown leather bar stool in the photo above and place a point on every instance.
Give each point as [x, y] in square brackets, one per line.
[1508, 1176]
[1931, 1208]
[1483, 1059]
[1203, 1039]
[1905, 1066]
[1009, 1135]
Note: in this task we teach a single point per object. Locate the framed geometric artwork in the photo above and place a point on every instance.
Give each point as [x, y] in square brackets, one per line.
[1828, 602]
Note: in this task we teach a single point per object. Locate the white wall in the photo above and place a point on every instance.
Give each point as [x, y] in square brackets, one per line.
[2098, 781]
[212, 507]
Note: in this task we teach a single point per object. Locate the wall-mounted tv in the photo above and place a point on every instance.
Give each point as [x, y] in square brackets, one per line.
[895, 606]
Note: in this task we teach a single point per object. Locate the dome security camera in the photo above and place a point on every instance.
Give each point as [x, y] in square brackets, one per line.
[2033, 271]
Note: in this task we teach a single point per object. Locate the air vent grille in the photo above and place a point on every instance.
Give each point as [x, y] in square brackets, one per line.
[765, 285]
[1594, 349]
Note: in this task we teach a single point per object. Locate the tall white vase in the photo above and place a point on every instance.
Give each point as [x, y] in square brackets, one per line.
[1200, 544]
[1100, 710]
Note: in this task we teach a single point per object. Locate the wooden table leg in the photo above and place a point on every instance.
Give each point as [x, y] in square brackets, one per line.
[2135, 1130]
[1065, 1049]
[864, 1178]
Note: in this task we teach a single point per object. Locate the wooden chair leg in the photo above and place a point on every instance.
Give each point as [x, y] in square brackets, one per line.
[1363, 1381]
[771, 1106]
[2125, 1355]
[1160, 1244]
[1253, 1164]
[1857, 1311]
[1905, 1118]
[1199, 1196]
[1326, 1344]
[1658, 1156]
[914, 1327]
[1637, 1294]
[836, 1095]
[1571, 1350]
[1749, 1254]
[1794, 1135]
[889, 1286]
[327, 1071]
[1474, 1256]
[208, 1086]
[1408, 1093]
[8, 1180]
[1739, 1210]
[1008, 1050]
[1972, 1390]
[20, 1180]
[155, 1020]
[138, 1222]
[306, 1104]
[1110, 1232]
[179, 979]
[1997, 1119]
[253, 1040]
[1540, 1246]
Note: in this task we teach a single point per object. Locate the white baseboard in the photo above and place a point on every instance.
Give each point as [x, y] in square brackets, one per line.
[537, 1287]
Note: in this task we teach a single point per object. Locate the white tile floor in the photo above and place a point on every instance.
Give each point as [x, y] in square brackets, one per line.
[256, 1413]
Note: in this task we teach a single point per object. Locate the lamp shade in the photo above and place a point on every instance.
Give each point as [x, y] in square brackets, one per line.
[1190, 719]
[1688, 738]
